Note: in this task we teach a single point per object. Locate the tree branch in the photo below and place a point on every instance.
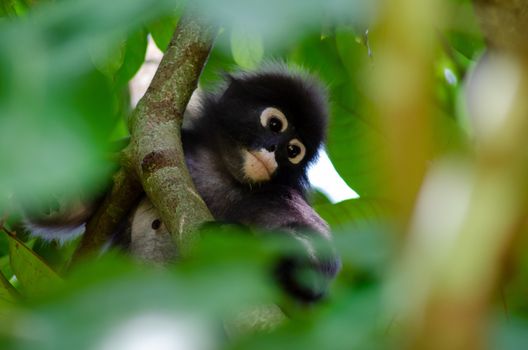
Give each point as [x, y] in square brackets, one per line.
[453, 310]
[155, 148]
[154, 159]
[118, 203]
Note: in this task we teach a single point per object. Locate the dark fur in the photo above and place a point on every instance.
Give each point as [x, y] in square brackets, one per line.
[229, 121]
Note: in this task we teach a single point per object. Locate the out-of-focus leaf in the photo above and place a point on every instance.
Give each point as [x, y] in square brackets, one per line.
[8, 298]
[510, 334]
[59, 143]
[7, 292]
[120, 131]
[320, 57]
[353, 211]
[162, 29]
[273, 18]
[34, 275]
[354, 321]
[110, 61]
[220, 61]
[361, 234]
[135, 50]
[6, 9]
[366, 248]
[447, 81]
[468, 45]
[10, 8]
[352, 50]
[5, 267]
[247, 48]
[4, 245]
[448, 134]
[355, 143]
[61, 34]
[464, 32]
[103, 297]
[317, 198]
[55, 111]
[355, 146]
[55, 254]
[447, 128]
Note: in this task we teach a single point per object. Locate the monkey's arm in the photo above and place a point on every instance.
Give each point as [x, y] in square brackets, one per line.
[290, 214]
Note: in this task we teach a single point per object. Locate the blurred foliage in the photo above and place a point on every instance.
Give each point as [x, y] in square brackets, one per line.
[64, 70]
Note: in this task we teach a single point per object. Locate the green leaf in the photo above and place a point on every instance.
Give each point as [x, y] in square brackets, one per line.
[6, 9]
[353, 212]
[220, 61]
[278, 21]
[465, 35]
[34, 275]
[361, 310]
[352, 50]
[135, 50]
[508, 334]
[5, 267]
[66, 123]
[355, 147]
[247, 48]
[109, 61]
[162, 30]
[56, 254]
[7, 291]
[320, 56]
[103, 296]
[8, 297]
[468, 44]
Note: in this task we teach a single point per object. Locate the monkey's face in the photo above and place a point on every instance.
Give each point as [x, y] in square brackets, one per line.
[268, 131]
[275, 144]
[262, 148]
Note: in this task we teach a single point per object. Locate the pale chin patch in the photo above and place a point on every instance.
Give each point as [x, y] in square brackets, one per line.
[259, 165]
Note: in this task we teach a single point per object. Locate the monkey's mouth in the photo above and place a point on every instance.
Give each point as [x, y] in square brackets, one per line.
[259, 165]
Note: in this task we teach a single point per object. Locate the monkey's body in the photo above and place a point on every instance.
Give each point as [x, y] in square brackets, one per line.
[269, 207]
[247, 150]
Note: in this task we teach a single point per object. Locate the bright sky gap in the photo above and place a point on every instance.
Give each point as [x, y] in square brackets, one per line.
[324, 177]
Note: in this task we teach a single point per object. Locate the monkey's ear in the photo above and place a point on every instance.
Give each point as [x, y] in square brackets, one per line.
[231, 79]
[232, 84]
[227, 77]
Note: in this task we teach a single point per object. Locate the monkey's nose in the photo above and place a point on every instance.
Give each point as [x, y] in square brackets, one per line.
[271, 148]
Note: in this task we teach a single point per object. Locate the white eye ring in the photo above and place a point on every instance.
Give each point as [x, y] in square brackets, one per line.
[296, 146]
[268, 114]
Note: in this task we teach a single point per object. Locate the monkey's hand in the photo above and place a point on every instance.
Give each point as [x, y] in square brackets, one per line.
[308, 261]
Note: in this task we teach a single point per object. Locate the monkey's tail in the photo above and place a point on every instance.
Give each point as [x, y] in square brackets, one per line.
[62, 220]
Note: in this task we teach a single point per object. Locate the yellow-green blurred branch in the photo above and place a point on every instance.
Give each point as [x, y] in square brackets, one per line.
[468, 274]
[450, 273]
[402, 93]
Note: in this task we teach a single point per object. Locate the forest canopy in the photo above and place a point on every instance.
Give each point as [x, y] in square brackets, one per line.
[428, 117]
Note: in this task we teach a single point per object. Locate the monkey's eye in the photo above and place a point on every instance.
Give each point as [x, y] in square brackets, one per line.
[273, 119]
[275, 124]
[296, 151]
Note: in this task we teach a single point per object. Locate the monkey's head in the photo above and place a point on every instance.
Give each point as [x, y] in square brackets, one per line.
[269, 125]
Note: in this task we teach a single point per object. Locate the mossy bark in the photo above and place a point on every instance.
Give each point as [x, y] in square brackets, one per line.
[156, 148]
[154, 162]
